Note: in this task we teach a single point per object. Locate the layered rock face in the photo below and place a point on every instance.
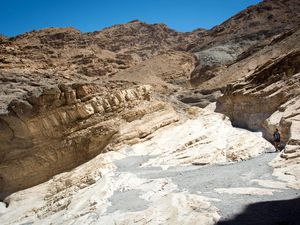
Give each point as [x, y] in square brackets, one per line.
[56, 128]
[253, 58]
[249, 102]
[267, 99]
[261, 86]
[128, 186]
[59, 107]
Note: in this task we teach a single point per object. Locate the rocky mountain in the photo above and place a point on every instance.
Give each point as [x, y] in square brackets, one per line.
[142, 39]
[67, 97]
[68, 54]
[246, 31]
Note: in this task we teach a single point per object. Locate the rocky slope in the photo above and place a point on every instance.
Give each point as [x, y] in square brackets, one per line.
[261, 91]
[260, 79]
[266, 99]
[141, 39]
[246, 31]
[253, 99]
[252, 59]
[67, 54]
[164, 71]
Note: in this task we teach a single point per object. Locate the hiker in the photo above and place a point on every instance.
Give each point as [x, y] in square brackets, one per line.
[276, 136]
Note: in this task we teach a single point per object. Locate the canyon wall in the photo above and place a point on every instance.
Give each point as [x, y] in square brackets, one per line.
[274, 86]
[269, 99]
[56, 128]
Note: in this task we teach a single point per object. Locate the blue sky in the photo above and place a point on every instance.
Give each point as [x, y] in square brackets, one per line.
[19, 16]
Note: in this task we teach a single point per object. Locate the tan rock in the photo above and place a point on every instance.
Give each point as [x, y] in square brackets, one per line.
[64, 127]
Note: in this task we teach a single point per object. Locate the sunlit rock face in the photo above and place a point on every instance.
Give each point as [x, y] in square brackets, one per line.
[209, 139]
[251, 101]
[54, 129]
[59, 107]
[267, 99]
[112, 189]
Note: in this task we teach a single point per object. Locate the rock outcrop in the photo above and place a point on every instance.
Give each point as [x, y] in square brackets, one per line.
[254, 58]
[53, 129]
[61, 104]
[252, 100]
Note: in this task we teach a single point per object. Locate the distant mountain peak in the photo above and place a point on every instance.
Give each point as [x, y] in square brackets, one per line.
[135, 21]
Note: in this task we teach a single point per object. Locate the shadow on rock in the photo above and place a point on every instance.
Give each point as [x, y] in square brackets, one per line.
[285, 212]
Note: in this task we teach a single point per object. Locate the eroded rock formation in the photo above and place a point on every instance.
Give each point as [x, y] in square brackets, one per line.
[249, 102]
[127, 186]
[59, 107]
[56, 128]
[267, 99]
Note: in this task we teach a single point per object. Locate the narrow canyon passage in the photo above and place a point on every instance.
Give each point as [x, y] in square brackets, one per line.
[140, 123]
[199, 171]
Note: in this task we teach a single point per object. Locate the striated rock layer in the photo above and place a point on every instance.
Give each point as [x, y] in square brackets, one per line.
[250, 101]
[59, 106]
[267, 99]
[56, 128]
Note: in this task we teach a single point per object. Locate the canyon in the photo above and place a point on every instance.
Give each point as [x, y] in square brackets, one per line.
[140, 124]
